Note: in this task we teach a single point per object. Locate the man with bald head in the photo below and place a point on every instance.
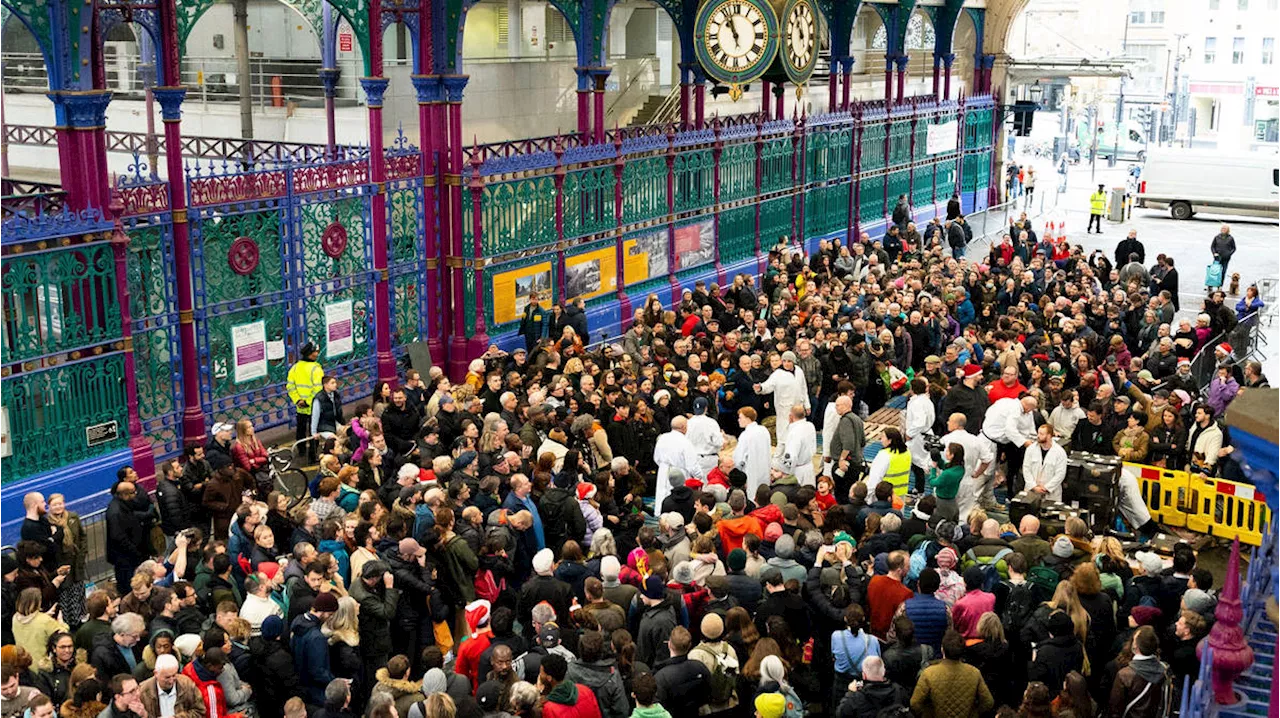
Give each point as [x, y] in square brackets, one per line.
[674, 450]
[1029, 543]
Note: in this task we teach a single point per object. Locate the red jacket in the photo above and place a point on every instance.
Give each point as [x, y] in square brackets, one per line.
[999, 391]
[469, 652]
[734, 530]
[585, 705]
[251, 460]
[215, 701]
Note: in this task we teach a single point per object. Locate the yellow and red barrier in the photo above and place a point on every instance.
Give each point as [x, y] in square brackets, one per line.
[1218, 507]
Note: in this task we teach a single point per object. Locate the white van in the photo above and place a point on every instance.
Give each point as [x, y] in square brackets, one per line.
[1190, 181]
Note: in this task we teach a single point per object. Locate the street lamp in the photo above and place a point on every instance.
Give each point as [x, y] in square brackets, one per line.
[1036, 92]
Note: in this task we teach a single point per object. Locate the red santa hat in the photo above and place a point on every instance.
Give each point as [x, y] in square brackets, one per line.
[586, 490]
[477, 614]
[972, 369]
[1225, 348]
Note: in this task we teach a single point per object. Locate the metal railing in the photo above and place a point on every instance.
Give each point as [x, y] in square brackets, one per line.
[95, 530]
[669, 110]
[994, 221]
[212, 148]
[1246, 340]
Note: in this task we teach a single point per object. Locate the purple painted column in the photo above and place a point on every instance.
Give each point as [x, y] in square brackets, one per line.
[716, 151]
[584, 103]
[846, 72]
[888, 79]
[144, 460]
[193, 420]
[479, 338]
[759, 181]
[600, 75]
[699, 98]
[458, 360]
[901, 61]
[833, 82]
[672, 260]
[428, 91]
[947, 61]
[81, 119]
[977, 73]
[619, 209]
[765, 105]
[1232, 654]
[374, 88]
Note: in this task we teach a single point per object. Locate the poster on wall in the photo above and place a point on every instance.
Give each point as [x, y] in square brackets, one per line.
[695, 244]
[645, 256]
[339, 331]
[942, 138]
[512, 290]
[249, 351]
[591, 274]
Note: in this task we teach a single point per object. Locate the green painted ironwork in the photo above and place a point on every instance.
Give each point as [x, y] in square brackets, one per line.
[222, 283]
[317, 217]
[409, 323]
[737, 172]
[977, 129]
[58, 301]
[588, 202]
[899, 142]
[737, 233]
[150, 301]
[922, 185]
[219, 356]
[899, 184]
[405, 237]
[520, 214]
[775, 220]
[50, 412]
[872, 148]
[695, 180]
[826, 209]
[645, 189]
[871, 198]
[361, 313]
[777, 165]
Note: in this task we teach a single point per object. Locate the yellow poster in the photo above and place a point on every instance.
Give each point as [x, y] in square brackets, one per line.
[591, 274]
[645, 256]
[511, 291]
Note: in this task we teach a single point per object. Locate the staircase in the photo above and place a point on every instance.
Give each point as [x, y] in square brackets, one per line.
[650, 109]
[1255, 685]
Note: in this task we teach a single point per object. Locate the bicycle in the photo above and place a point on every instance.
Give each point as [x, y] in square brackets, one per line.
[287, 478]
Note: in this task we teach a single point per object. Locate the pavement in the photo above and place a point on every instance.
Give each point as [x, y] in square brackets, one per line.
[1186, 241]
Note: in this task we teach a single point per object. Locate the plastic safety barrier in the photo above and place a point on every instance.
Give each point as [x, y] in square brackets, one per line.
[1227, 509]
[1164, 491]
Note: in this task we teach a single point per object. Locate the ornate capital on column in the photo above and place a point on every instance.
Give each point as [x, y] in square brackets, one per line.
[988, 62]
[948, 58]
[901, 61]
[170, 99]
[81, 110]
[584, 78]
[374, 89]
[699, 75]
[329, 78]
[846, 64]
[453, 87]
[428, 88]
[599, 75]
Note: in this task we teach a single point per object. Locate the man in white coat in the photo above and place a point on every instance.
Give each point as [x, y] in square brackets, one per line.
[1045, 465]
[1010, 425]
[919, 422]
[979, 455]
[752, 454]
[674, 449]
[831, 420]
[798, 447]
[705, 435]
[787, 385]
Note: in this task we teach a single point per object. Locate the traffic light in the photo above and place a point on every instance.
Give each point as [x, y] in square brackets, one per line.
[1146, 119]
[1023, 115]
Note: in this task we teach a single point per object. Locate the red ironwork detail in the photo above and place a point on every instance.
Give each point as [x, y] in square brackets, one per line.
[334, 240]
[331, 176]
[243, 256]
[236, 188]
[145, 199]
[404, 166]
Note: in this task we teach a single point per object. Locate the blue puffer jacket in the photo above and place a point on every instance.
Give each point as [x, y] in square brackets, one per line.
[310, 650]
[929, 616]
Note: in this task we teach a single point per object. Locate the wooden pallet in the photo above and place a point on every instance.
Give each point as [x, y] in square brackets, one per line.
[875, 424]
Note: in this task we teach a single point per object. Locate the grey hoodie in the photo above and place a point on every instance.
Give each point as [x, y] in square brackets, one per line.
[782, 560]
[605, 680]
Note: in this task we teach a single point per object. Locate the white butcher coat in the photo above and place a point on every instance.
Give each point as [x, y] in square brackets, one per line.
[977, 450]
[919, 421]
[1006, 423]
[707, 439]
[788, 389]
[752, 457]
[800, 444]
[673, 449]
[1047, 471]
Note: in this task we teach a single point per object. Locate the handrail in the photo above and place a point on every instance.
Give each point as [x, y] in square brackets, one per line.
[645, 62]
[669, 108]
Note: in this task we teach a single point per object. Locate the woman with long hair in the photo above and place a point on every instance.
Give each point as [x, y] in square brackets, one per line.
[1064, 599]
[1167, 447]
[1099, 607]
[32, 624]
[892, 464]
[904, 659]
[343, 632]
[457, 567]
[250, 455]
[71, 550]
[990, 653]
[1074, 701]
[1036, 701]
[741, 633]
[381, 398]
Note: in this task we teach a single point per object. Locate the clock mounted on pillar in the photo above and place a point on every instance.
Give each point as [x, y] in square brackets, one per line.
[799, 54]
[736, 41]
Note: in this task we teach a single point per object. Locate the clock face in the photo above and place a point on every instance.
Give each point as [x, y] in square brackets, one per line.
[736, 40]
[800, 40]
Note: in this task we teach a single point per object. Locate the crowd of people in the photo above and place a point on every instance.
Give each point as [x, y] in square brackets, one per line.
[678, 523]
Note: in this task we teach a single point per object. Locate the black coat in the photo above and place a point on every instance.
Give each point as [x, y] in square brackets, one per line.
[561, 518]
[107, 660]
[128, 530]
[274, 661]
[377, 610]
[745, 589]
[400, 426]
[175, 512]
[871, 698]
[684, 685]
[791, 607]
[970, 402]
[555, 592]
[1055, 658]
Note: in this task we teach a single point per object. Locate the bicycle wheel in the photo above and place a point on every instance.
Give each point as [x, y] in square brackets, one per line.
[292, 483]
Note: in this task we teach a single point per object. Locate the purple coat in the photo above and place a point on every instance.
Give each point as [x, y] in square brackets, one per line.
[1221, 393]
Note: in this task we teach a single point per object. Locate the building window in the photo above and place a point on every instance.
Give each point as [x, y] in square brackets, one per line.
[1157, 17]
[1237, 51]
[1210, 50]
[1268, 50]
[1137, 17]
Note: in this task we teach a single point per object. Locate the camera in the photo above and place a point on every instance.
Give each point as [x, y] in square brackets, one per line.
[933, 445]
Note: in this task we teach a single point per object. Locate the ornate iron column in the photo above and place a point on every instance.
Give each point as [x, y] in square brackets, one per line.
[846, 70]
[937, 73]
[82, 156]
[584, 102]
[947, 60]
[329, 74]
[699, 97]
[374, 89]
[888, 78]
[453, 87]
[599, 76]
[479, 338]
[765, 106]
[686, 71]
[144, 460]
[901, 61]
[427, 88]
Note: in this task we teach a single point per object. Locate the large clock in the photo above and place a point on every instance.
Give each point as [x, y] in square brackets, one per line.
[799, 53]
[736, 40]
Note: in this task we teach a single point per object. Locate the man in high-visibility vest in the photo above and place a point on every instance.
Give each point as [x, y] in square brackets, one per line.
[1097, 208]
[305, 380]
[892, 464]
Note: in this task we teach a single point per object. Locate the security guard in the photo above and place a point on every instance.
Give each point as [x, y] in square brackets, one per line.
[305, 380]
[533, 325]
[892, 464]
[1097, 208]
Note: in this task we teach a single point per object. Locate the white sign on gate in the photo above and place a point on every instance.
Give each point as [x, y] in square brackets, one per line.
[249, 351]
[942, 138]
[339, 329]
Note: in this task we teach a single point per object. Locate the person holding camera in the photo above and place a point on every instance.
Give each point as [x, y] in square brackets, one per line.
[945, 478]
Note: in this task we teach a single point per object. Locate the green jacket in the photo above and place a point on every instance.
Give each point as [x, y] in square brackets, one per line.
[946, 483]
[653, 711]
